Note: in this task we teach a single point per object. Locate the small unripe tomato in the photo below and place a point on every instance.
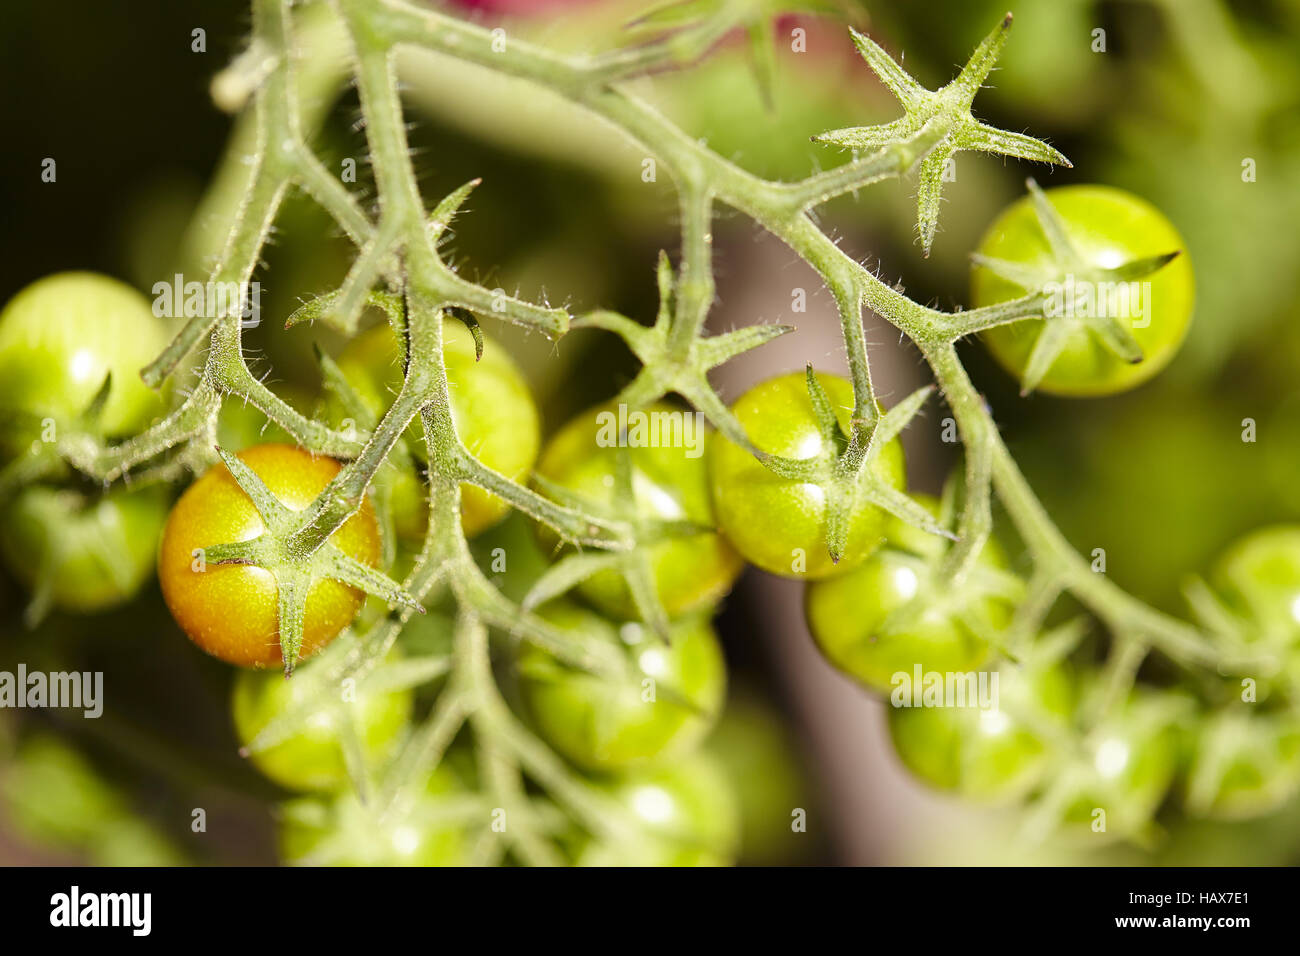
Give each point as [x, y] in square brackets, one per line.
[663, 708]
[1125, 772]
[1259, 578]
[232, 611]
[345, 832]
[62, 335]
[689, 813]
[1108, 228]
[1244, 764]
[92, 553]
[776, 523]
[312, 759]
[491, 405]
[990, 754]
[669, 483]
[951, 631]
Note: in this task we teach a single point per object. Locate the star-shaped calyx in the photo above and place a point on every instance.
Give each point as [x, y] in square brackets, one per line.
[633, 564]
[1066, 262]
[295, 574]
[937, 124]
[845, 469]
[672, 363]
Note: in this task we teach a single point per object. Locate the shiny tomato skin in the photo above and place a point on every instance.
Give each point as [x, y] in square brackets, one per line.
[1108, 226]
[60, 337]
[988, 754]
[231, 611]
[776, 523]
[609, 725]
[670, 482]
[845, 613]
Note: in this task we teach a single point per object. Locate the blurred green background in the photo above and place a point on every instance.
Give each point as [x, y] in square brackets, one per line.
[1184, 93]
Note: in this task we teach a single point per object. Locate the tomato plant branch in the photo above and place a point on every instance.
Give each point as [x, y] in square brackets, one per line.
[399, 250]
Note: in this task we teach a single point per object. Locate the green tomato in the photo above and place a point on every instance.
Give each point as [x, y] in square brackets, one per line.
[62, 335]
[1259, 578]
[664, 706]
[91, 554]
[313, 759]
[776, 523]
[345, 832]
[669, 483]
[1245, 764]
[1116, 785]
[1107, 228]
[991, 754]
[951, 631]
[491, 406]
[688, 812]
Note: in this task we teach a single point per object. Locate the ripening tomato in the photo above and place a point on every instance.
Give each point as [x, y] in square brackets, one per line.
[952, 630]
[689, 813]
[777, 523]
[92, 553]
[995, 753]
[1107, 228]
[61, 336]
[345, 832]
[665, 449]
[312, 759]
[664, 707]
[491, 406]
[231, 611]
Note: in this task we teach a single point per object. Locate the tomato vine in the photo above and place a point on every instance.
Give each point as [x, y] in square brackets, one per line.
[399, 266]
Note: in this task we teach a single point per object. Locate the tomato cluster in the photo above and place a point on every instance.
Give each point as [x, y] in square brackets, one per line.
[890, 606]
[71, 347]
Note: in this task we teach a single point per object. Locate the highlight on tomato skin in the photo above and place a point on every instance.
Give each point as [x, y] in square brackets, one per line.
[661, 709]
[61, 338]
[779, 524]
[1105, 228]
[232, 611]
[670, 483]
